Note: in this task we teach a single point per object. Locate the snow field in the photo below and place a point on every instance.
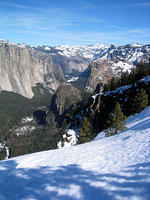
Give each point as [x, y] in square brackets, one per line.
[113, 168]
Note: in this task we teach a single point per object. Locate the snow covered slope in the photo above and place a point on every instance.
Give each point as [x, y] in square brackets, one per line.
[114, 168]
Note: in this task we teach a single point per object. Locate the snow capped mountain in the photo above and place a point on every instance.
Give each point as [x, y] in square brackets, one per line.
[121, 58]
[111, 168]
[121, 90]
[70, 60]
[90, 52]
[136, 45]
[130, 52]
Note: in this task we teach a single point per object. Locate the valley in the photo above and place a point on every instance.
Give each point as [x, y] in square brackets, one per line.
[54, 85]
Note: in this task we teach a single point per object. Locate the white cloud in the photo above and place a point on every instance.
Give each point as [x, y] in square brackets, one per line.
[20, 6]
[142, 4]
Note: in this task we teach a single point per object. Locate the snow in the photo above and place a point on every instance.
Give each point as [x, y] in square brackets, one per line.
[3, 41]
[120, 89]
[136, 56]
[89, 89]
[90, 52]
[47, 48]
[7, 152]
[94, 96]
[136, 45]
[101, 135]
[22, 130]
[27, 119]
[113, 168]
[121, 67]
[72, 79]
[126, 87]
[10, 43]
[121, 58]
[3, 146]
[146, 79]
[70, 138]
[22, 45]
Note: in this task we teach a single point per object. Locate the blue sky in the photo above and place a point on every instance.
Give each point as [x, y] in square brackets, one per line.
[59, 22]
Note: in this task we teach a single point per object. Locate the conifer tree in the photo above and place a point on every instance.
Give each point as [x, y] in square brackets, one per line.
[63, 127]
[116, 121]
[2, 153]
[85, 132]
[139, 102]
[141, 70]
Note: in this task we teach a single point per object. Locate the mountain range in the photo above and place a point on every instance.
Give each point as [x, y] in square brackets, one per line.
[23, 66]
[119, 56]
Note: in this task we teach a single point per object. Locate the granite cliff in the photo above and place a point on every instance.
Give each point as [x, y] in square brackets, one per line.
[21, 68]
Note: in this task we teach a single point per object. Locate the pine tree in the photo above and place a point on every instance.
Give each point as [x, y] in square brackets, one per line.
[85, 132]
[139, 102]
[116, 121]
[141, 70]
[2, 153]
[63, 127]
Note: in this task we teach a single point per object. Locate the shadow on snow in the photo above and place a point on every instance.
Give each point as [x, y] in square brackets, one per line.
[71, 183]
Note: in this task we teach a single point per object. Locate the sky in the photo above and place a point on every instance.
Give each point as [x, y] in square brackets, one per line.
[75, 22]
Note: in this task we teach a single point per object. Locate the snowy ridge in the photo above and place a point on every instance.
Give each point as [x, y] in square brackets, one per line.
[130, 53]
[121, 67]
[121, 58]
[126, 87]
[114, 168]
[120, 90]
[90, 52]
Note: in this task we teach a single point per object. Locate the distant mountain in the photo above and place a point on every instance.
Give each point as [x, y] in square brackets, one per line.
[131, 52]
[109, 60]
[22, 66]
[122, 56]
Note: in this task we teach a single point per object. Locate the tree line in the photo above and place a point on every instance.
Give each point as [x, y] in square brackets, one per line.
[140, 71]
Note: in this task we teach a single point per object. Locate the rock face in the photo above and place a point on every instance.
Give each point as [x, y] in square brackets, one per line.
[65, 96]
[71, 66]
[98, 73]
[21, 68]
[70, 63]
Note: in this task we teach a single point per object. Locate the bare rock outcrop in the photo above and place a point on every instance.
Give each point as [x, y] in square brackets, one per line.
[98, 73]
[66, 96]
